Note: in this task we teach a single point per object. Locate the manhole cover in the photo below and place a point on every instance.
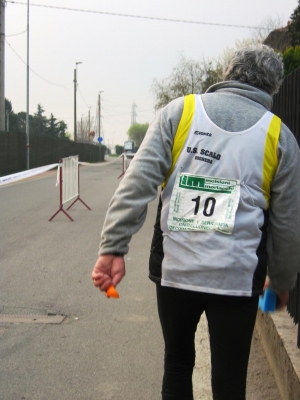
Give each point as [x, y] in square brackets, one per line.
[32, 319]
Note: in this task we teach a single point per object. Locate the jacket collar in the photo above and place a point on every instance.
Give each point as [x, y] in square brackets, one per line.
[242, 89]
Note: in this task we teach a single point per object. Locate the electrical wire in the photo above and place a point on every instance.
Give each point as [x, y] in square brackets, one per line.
[137, 16]
[82, 96]
[51, 83]
[16, 34]
[111, 113]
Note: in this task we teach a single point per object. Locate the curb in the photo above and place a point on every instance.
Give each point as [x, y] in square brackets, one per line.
[278, 336]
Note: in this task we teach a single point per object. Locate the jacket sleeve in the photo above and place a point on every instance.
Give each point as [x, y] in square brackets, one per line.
[128, 207]
[283, 245]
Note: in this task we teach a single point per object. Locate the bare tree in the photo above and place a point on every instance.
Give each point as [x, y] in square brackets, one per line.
[266, 27]
[84, 127]
[185, 78]
[191, 76]
[258, 35]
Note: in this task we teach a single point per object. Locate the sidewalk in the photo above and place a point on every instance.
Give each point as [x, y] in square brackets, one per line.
[278, 335]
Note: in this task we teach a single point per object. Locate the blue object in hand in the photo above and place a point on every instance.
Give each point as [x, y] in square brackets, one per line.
[267, 302]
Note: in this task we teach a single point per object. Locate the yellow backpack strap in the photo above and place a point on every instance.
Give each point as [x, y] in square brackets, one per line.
[270, 162]
[182, 132]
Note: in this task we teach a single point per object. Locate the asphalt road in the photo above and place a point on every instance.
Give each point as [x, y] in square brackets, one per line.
[105, 349]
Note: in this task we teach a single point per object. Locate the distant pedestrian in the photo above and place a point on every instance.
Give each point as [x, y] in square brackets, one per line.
[228, 215]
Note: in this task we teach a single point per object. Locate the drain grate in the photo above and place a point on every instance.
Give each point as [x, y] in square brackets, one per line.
[32, 319]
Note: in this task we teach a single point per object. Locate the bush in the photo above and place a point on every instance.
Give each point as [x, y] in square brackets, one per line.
[119, 149]
[291, 59]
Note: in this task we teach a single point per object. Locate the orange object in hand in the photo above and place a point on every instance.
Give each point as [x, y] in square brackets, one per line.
[111, 292]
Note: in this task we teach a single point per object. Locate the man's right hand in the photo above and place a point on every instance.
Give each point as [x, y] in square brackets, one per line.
[108, 270]
[282, 299]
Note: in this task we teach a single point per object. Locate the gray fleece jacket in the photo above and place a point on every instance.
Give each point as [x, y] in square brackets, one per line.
[233, 107]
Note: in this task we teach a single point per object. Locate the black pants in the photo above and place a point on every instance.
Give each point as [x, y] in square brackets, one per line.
[231, 321]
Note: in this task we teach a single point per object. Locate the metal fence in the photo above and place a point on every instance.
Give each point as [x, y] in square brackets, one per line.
[293, 306]
[286, 103]
[44, 150]
[287, 106]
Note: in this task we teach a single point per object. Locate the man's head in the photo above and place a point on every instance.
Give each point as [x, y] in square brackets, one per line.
[257, 65]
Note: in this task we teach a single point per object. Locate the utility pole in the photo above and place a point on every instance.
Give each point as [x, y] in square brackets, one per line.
[99, 115]
[7, 121]
[75, 105]
[99, 112]
[75, 117]
[133, 113]
[2, 65]
[27, 94]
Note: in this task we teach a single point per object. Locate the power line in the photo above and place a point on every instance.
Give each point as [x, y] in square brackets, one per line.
[116, 105]
[82, 96]
[51, 83]
[141, 110]
[16, 34]
[138, 16]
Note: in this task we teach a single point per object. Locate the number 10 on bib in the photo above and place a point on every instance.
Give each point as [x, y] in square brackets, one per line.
[203, 203]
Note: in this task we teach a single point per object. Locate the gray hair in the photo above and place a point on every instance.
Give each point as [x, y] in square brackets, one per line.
[257, 65]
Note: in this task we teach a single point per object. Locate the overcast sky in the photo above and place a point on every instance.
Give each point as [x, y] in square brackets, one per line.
[120, 55]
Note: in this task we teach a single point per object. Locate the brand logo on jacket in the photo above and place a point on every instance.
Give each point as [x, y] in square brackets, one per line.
[202, 133]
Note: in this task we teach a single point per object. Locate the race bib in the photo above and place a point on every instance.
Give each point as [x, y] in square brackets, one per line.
[203, 203]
